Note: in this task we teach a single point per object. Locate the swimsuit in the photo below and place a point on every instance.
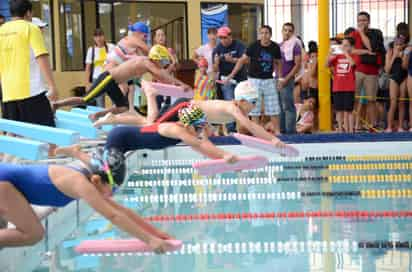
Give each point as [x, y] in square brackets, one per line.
[34, 182]
[128, 138]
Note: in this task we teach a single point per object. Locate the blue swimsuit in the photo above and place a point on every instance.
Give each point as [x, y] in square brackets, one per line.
[34, 183]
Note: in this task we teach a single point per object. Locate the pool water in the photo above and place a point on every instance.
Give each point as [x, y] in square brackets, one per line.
[312, 213]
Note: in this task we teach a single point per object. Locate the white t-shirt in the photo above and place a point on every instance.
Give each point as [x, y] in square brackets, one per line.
[206, 51]
[37, 85]
[100, 55]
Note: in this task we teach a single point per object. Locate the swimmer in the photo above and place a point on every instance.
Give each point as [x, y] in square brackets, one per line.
[93, 180]
[221, 112]
[191, 129]
[108, 81]
[128, 47]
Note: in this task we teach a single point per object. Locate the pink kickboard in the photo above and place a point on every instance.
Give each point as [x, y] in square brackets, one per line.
[171, 90]
[264, 145]
[126, 245]
[213, 167]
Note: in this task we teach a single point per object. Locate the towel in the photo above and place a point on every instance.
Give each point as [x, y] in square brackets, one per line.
[288, 46]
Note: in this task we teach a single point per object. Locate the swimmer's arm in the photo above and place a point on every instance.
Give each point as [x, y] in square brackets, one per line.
[86, 191]
[139, 220]
[75, 152]
[405, 58]
[239, 64]
[253, 128]
[143, 46]
[204, 146]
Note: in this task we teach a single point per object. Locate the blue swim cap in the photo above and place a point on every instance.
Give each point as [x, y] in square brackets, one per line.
[139, 27]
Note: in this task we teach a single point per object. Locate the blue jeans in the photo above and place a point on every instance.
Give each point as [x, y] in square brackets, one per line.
[288, 113]
[228, 92]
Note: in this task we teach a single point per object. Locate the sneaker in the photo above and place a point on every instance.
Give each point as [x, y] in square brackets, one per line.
[401, 130]
[388, 130]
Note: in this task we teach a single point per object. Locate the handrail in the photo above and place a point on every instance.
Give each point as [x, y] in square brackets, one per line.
[166, 24]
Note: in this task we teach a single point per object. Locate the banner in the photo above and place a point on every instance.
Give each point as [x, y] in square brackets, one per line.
[215, 16]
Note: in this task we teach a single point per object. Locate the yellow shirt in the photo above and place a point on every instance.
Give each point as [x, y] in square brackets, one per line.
[19, 41]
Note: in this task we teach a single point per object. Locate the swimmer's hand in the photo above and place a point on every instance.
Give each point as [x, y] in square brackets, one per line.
[164, 236]
[278, 143]
[230, 158]
[159, 246]
[93, 116]
[70, 151]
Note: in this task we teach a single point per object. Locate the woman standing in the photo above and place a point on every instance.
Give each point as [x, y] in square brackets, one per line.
[96, 56]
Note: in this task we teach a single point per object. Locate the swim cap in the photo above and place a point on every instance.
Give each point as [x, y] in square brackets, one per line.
[109, 164]
[192, 116]
[139, 27]
[160, 53]
[203, 63]
[245, 91]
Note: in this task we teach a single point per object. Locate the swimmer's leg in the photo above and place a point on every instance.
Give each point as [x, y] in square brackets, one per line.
[16, 209]
[152, 108]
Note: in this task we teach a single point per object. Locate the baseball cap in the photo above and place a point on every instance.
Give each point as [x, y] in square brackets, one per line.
[224, 31]
[38, 22]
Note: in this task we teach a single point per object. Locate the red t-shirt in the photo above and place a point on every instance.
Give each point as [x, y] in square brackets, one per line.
[367, 69]
[343, 74]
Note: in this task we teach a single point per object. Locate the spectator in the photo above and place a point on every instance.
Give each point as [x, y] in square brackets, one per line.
[407, 64]
[368, 50]
[305, 115]
[160, 38]
[297, 90]
[225, 56]
[291, 62]
[309, 81]
[344, 84]
[206, 51]
[2, 19]
[24, 94]
[397, 83]
[264, 59]
[95, 58]
[204, 86]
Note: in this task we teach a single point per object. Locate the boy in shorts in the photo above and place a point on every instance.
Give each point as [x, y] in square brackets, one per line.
[344, 84]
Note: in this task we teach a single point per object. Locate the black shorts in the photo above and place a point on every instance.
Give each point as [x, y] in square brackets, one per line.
[35, 110]
[343, 101]
[310, 93]
[111, 88]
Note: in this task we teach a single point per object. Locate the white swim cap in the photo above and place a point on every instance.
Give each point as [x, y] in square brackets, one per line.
[244, 90]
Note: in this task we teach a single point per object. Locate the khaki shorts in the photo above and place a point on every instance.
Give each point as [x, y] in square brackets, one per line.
[369, 83]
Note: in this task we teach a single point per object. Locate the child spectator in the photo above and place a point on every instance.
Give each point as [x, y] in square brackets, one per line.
[344, 84]
[204, 82]
[305, 117]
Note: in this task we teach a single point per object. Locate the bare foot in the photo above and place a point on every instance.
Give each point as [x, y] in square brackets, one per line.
[68, 150]
[105, 120]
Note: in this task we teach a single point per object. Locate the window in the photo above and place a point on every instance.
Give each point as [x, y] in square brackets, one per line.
[243, 19]
[43, 10]
[71, 38]
[385, 15]
[115, 17]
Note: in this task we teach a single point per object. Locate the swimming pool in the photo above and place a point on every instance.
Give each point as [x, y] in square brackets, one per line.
[338, 207]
